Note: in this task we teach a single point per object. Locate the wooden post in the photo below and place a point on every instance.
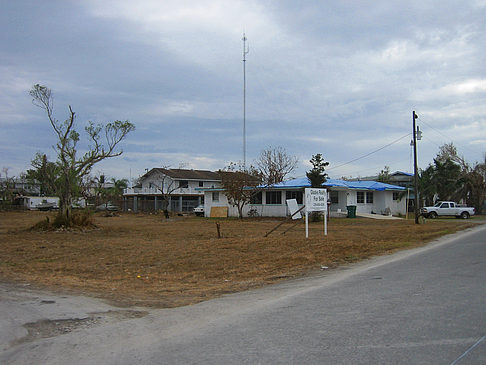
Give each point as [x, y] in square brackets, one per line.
[218, 228]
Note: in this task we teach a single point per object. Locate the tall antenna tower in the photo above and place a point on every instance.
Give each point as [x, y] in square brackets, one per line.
[246, 50]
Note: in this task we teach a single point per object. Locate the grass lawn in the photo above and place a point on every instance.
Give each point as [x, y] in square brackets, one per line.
[149, 261]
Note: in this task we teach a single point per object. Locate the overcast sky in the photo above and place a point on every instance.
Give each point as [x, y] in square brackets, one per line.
[339, 78]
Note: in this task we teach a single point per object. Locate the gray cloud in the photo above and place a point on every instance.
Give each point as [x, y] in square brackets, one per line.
[339, 78]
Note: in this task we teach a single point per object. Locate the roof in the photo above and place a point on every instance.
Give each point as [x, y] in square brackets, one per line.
[186, 174]
[402, 173]
[395, 176]
[335, 183]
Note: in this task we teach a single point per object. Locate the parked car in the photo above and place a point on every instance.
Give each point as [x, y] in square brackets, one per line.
[442, 208]
[46, 205]
[107, 206]
[199, 210]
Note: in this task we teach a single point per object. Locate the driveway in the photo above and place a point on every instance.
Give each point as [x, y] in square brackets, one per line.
[421, 306]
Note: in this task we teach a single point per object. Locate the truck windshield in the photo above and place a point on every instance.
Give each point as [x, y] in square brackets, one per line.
[437, 204]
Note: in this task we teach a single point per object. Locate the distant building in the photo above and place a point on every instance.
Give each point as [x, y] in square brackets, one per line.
[176, 189]
[399, 178]
[18, 186]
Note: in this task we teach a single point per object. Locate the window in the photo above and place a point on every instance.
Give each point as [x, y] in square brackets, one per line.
[183, 184]
[369, 197]
[273, 197]
[360, 197]
[444, 205]
[334, 197]
[396, 195]
[215, 196]
[201, 184]
[256, 198]
[297, 195]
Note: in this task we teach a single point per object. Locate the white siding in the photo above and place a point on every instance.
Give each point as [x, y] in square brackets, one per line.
[154, 181]
[381, 201]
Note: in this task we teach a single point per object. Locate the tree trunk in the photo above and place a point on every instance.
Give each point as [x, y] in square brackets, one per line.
[240, 211]
[65, 209]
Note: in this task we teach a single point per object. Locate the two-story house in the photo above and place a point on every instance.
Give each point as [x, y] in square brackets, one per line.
[176, 190]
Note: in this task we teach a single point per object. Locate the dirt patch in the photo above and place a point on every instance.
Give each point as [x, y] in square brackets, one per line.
[146, 260]
[52, 328]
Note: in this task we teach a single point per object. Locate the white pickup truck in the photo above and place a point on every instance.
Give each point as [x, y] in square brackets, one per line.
[447, 208]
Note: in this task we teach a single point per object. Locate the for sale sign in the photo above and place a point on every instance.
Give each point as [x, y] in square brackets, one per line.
[315, 200]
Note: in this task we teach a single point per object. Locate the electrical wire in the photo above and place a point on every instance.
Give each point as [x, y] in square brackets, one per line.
[360, 172]
[369, 154]
[446, 136]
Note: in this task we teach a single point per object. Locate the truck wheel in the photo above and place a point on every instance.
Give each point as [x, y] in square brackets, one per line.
[432, 215]
[464, 215]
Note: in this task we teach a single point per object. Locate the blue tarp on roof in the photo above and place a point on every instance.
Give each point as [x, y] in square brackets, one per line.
[336, 183]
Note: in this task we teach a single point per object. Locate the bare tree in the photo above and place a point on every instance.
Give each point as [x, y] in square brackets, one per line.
[449, 152]
[7, 185]
[240, 183]
[71, 169]
[166, 186]
[275, 164]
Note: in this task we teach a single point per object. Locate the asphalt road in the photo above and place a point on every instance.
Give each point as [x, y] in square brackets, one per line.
[422, 306]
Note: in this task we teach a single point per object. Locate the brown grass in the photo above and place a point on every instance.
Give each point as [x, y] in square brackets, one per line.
[146, 260]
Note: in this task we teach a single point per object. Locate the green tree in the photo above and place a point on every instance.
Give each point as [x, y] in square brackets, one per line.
[384, 175]
[448, 177]
[44, 173]
[427, 186]
[317, 175]
[111, 191]
[115, 192]
[71, 168]
[475, 186]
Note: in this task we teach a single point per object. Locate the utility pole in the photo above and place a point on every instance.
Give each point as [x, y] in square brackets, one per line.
[415, 175]
[245, 52]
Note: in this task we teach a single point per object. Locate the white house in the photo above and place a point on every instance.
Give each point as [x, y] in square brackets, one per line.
[33, 202]
[367, 196]
[180, 188]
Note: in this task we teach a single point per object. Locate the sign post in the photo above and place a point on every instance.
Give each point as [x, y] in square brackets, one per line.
[315, 201]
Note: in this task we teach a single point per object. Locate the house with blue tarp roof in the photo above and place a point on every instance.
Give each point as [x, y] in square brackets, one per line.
[367, 196]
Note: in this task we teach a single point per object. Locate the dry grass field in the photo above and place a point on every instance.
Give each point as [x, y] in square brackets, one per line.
[146, 260]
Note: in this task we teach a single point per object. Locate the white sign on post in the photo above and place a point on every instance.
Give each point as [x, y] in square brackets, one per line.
[315, 201]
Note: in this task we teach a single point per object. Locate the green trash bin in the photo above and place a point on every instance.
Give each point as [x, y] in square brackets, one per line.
[351, 211]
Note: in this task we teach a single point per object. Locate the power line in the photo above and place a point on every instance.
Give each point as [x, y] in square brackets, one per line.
[449, 138]
[370, 153]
